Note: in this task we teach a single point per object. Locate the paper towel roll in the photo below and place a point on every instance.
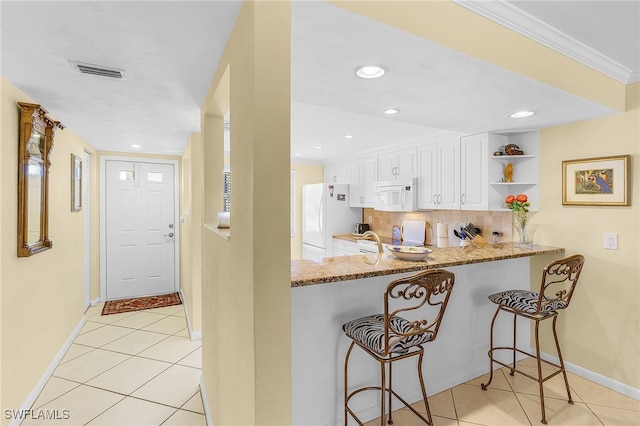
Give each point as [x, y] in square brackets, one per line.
[442, 242]
[442, 230]
[223, 220]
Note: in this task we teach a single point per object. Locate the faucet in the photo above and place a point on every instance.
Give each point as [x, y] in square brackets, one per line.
[375, 237]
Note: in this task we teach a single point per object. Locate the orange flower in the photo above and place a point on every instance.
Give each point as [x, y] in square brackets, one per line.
[519, 203]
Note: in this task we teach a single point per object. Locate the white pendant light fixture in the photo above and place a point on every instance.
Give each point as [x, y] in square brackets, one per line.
[370, 71]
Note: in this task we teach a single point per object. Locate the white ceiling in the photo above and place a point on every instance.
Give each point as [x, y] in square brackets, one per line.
[170, 49]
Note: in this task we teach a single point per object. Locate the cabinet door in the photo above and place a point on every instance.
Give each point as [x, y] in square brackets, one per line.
[356, 185]
[427, 177]
[387, 166]
[369, 182]
[449, 175]
[406, 164]
[329, 174]
[336, 173]
[473, 172]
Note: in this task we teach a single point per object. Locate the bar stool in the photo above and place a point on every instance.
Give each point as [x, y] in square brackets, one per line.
[388, 337]
[559, 279]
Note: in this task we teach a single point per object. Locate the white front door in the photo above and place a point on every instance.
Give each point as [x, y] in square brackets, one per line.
[139, 228]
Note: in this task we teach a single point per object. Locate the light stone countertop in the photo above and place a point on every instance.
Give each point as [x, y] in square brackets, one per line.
[344, 268]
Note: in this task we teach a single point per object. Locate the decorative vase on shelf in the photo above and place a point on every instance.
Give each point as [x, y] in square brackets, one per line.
[520, 222]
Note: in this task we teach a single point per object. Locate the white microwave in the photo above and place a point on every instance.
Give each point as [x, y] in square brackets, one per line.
[396, 195]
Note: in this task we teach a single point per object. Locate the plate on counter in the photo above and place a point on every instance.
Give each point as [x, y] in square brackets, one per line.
[409, 252]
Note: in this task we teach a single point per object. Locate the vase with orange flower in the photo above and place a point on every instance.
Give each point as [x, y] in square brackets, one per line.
[519, 205]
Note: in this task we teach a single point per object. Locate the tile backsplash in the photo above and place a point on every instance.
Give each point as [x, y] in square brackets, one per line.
[382, 223]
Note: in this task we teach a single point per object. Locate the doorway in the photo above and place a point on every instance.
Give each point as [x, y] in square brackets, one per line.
[86, 208]
[139, 228]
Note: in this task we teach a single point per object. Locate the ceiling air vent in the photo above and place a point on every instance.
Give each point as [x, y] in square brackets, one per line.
[97, 70]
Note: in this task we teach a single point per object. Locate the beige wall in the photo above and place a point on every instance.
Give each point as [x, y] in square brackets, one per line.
[601, 329]
[41, 296]
[190, 235]
[305, 174]
[246, 278]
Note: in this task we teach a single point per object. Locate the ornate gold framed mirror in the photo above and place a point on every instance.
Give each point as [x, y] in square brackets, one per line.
[36, 142]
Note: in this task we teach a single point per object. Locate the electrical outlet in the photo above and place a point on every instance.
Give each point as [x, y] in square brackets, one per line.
[611, 241]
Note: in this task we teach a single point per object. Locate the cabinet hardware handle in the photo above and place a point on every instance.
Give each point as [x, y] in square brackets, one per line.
[168, 235]
[434, 198]
[461, 198]
[439, 198]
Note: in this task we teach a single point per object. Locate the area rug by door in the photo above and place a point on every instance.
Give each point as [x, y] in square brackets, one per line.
[138, 303]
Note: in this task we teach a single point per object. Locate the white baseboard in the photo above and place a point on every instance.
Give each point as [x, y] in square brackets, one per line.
[96, 301]
[49, 371]
[607, 382]
[194, 335]
[205, 403]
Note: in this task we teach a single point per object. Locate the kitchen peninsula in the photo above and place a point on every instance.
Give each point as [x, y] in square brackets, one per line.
[330, 292]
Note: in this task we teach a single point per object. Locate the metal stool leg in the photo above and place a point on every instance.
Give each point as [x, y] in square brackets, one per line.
[424, 390]
[515, 321]
[539, 364]
[390, 421]
[346, 390]
[564, 372]
[383, 382]
[484, 386]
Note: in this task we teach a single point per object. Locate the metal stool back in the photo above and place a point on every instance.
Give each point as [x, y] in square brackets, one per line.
[390, 337]
[559, 279]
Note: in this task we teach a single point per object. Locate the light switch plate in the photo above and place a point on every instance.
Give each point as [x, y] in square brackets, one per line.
[611, 241]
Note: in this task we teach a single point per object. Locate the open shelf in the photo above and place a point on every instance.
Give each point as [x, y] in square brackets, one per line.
[513, 183]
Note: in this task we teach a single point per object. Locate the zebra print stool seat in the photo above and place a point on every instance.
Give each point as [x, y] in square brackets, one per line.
[369, 332]
[526, 301]
[559, 279]
[389, 337]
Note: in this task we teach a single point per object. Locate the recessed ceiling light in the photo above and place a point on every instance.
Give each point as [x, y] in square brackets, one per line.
[521, 114]
[136, 146]
[319, 147]
[297, 154]
[391, 111]
[348, 136]
[370, 71]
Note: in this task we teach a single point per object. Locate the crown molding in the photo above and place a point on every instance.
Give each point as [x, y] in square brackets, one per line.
[516, 19]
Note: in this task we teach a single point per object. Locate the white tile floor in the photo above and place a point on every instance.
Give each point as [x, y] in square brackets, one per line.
[140, 368]
[136, 368]
[514, 400]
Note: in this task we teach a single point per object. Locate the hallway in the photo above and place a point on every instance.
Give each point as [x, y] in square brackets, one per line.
[135, 368]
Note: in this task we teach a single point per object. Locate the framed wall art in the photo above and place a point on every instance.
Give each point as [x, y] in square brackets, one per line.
[600, 181]
[76, 183]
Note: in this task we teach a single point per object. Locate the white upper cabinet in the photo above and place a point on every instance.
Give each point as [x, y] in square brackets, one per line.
[336, 173]
[473, 172]
[439, 175]
[452, 174]
[397, 165]
[362, 183]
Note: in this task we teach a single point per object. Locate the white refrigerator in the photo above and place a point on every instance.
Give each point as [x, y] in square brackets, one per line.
[325, 212]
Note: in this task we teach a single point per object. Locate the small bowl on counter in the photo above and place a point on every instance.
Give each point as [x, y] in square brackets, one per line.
[409, 252]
